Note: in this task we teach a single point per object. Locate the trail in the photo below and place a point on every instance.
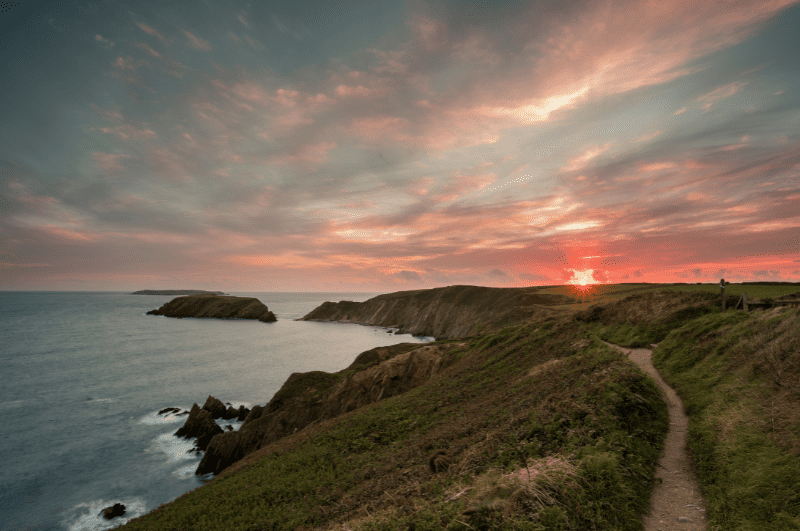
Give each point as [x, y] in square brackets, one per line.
[676, 503]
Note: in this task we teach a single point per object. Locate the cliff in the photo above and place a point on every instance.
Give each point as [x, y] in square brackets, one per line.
[217, 307]
[175, 292]
[443, 313]
[307, 398]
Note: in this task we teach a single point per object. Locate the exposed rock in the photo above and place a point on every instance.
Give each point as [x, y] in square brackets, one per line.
[199, 424]
[230, 413]
[217, 307]
[112, 512]
[169, 410]
[444, 313]
[306, 398]
[175, 292]
[242, 413]
[228, 427]
[215, 407]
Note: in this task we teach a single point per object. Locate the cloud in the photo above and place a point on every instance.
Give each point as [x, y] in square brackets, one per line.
[415, 155]
[98, 37]
[147, 48]
[408, 276]
[150, 31]
[498, 273]
[196, 42]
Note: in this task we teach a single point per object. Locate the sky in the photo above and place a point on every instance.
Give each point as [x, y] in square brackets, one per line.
[382, 145]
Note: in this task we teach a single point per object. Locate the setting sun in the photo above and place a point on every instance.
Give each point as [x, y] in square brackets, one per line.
[582, 278]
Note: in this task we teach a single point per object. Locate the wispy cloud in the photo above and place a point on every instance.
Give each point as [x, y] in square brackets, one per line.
[543, 147]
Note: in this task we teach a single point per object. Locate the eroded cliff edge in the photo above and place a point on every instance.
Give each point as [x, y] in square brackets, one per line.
[443, 313]
[217, 307]
[307, 398]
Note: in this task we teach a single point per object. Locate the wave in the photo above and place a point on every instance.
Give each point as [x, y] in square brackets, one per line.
[88, 516]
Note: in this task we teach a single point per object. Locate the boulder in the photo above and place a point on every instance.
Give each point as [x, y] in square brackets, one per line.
[169, 410]
[242, 413]
[112, 512]
[215, 407]
[230, 413]
[199, 424]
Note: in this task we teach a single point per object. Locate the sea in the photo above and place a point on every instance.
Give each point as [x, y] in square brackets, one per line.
[83, 376]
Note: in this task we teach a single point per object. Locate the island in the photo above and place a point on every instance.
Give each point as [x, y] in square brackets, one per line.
[216, 307]
[175, 292]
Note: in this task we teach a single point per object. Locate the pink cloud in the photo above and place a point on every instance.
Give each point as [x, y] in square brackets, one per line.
[149, 50]
[98, 37]
[197, 42]
[109, 163]
[150, 31]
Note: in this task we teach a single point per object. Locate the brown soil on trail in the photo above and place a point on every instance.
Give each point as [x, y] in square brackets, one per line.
[676, 502]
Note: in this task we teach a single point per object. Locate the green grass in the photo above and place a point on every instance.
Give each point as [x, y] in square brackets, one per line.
[592, 429]
[749, 476]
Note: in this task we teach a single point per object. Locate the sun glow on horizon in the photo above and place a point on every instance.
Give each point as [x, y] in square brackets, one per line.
[582, 278]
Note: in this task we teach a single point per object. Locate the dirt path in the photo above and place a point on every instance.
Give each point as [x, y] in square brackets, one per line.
[676, 503]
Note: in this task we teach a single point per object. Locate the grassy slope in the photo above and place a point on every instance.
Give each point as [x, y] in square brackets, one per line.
[605, 293]
[588, 427]
[739, 377]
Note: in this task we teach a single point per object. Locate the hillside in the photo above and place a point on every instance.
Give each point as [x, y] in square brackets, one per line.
[444, 313]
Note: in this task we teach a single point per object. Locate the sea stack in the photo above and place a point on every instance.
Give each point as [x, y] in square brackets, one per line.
[216, 307]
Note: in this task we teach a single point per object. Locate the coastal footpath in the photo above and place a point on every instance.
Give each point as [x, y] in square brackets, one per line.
[216, 307]
[444, 313]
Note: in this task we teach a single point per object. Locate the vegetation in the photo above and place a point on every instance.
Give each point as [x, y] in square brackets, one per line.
[537, 426]
[739, 376]
[541, 426]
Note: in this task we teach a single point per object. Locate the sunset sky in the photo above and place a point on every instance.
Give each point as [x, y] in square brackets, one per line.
[381, 145]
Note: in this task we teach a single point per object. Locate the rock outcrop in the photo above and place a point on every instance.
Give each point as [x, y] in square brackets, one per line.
[112, 512]
[199, 424]
[307, 398]
[175, 292]
[443, 313]
[217, 307]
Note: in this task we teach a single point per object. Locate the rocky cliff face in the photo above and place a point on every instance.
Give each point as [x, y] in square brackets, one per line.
[443, 313]
[306, 398]
[217, 307]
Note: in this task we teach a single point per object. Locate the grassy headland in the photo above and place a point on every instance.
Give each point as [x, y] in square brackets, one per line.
[544, 400]
[738, 374]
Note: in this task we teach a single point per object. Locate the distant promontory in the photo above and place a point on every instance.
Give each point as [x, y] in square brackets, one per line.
[175, 292]
[208, 305]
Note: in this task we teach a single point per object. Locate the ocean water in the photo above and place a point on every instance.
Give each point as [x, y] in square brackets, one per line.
[84, 374]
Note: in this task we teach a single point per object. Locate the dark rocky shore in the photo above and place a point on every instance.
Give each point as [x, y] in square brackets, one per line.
[216, 307]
